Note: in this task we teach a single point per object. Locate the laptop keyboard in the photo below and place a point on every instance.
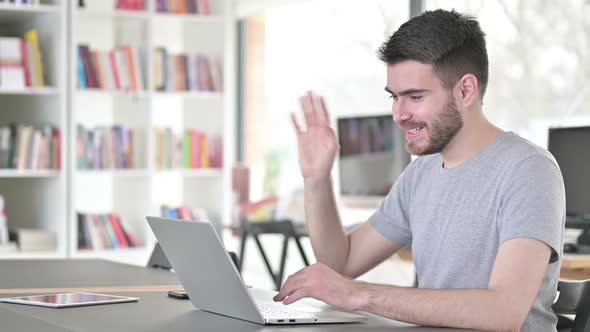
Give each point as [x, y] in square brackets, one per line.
[273, 311]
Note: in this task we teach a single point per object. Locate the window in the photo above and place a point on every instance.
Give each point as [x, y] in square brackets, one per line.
[327, 46]
[539, 54]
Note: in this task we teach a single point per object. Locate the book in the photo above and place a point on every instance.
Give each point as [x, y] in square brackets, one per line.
[4, 147]
[32, 37]
[23, 146]
[36, 240]
[12, 77]
[26, 62]
[99, 231]
[98, 67]
[88, 65]
[109, 230]
[82, 80]
[83, 242]
[56, 148]
[192, 149]
[118, 230]
[184, 212]
[195, 157]
[33, 153]
[114, 70]
[105, 147]
[132, 66]
[186, 71]
[10, 51]
[205, 161]
[12, 71]
[3, 223]
[204, 8]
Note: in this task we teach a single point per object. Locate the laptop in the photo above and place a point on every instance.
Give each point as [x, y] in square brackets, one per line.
[213, 283]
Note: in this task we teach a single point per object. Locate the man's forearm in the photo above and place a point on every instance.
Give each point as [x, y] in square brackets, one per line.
[481, 309]
[329, 242]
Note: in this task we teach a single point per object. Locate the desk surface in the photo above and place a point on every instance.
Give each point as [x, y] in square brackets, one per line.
[155, 311]
[72, 273]
[158, 312]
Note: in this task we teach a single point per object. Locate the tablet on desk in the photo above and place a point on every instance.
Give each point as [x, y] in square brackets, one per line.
[65, 300]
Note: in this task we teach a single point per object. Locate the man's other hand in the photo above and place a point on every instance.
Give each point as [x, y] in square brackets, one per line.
[321, 283]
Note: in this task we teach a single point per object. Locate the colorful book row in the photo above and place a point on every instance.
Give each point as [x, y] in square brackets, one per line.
[200, 7]
[194, 149]
[19, 2]
[97, 231]
[186, 72]
[21, 62]
[119, 69]
[130, 4]
[106, 148]
[26, 147]
[185, 213]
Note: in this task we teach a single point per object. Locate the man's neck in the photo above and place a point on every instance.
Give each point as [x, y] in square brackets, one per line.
[469, 141]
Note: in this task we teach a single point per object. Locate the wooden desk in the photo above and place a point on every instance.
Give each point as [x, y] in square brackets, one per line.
[574, 267]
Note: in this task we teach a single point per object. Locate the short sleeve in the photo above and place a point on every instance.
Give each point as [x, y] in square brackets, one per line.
[533, 205]
[391, 217]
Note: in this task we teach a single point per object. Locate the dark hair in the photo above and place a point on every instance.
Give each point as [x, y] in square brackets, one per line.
[452, 42]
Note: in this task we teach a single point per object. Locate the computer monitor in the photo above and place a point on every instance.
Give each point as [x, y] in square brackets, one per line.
[569, 146]
[372, 155]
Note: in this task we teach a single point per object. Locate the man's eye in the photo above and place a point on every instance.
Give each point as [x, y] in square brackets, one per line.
[415, 98]
[394, 97]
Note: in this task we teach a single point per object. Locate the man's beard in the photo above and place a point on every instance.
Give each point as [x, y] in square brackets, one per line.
[440, 133]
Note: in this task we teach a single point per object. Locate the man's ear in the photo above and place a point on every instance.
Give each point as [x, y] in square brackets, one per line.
[466, 90]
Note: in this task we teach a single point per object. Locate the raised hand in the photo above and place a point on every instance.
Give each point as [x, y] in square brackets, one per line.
[317, 143]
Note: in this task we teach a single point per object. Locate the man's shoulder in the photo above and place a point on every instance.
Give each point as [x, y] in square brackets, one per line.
[515, 151]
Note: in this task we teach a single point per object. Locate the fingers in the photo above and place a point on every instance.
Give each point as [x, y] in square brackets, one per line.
[296, 296]
[325, 112]
[319, 108]
[309, 113]
[296, 125]
[314, 109]
[292, 284]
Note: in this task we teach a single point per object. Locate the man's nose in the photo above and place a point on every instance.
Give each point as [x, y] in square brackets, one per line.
[400, 113]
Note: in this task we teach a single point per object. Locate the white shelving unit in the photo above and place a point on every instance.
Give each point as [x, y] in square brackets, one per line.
[136, 193]
[38, 198]
[122, 191]
[50, 199]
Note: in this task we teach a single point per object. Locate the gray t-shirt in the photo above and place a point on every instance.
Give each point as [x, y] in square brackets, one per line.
[455, 219]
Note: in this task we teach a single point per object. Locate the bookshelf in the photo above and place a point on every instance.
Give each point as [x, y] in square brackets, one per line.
[37, 198]
[50, 199]
[140, 191]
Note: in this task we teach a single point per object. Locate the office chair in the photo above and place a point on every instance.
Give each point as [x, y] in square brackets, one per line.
[574, 299]
[159, 260]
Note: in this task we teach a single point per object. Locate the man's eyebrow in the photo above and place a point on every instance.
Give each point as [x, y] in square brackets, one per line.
[407, 92]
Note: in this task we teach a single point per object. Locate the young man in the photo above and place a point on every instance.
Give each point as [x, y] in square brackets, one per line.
[482, 209]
